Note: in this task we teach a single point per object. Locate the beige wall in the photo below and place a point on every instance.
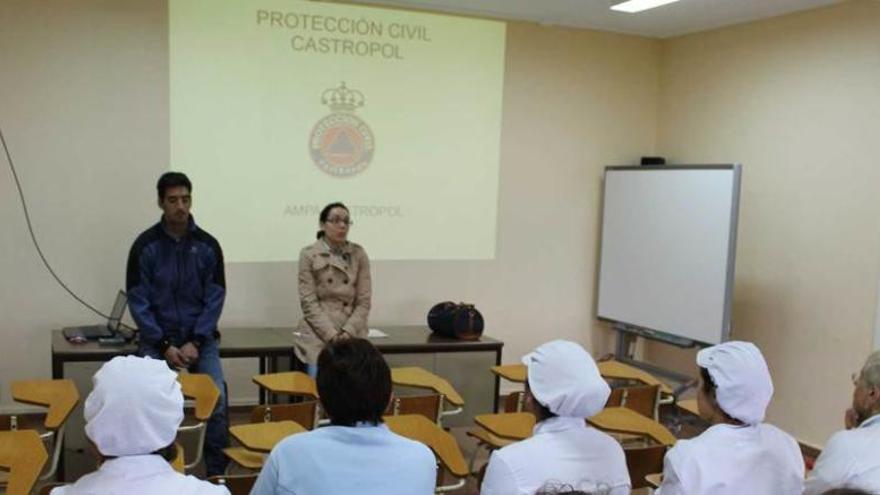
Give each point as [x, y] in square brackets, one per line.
[84, 108]
[796, 100]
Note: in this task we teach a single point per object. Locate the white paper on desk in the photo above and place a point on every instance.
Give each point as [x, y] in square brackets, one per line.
[375, 333]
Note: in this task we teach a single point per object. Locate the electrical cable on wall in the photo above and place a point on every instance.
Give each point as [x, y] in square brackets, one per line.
[30, 227]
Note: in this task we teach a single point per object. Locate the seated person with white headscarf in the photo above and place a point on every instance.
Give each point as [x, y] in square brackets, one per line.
[563, 388]
[357, 453]
[132, 416]
[738, 454]
[851, 458]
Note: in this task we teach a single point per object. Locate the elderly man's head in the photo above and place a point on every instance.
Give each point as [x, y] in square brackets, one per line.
[866, 396]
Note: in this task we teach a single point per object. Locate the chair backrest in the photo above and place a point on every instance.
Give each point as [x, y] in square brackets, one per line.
[240, 484]
[60, 396]
[616, 398]
[514, 401]
[305, 413]
[641, 399]
[641, 461]
[29, 421]
[428, 406]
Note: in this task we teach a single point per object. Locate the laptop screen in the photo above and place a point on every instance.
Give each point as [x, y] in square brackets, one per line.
[118, 311]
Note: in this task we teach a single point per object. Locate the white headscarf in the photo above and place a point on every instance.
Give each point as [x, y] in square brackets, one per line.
[135, 407]
[743, 384]
[564, 378]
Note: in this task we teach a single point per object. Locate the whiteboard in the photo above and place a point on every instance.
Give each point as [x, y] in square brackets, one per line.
[668, 249]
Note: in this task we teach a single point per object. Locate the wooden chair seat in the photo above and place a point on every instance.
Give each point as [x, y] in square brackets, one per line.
[509, 426]
[421, 378]
[290, 383]
[245, 458]
[654, 480]
[417, 427]
[262, 437]
[23, 454]
[202, 389]
[689, 405]
[60, 396]
[487, 439]
[623, 420]
[516, 373]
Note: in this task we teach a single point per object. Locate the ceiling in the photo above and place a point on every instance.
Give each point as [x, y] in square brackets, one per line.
[685, 16]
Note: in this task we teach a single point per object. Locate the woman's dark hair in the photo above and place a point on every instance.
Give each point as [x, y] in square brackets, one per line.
[708, 384]
[709, 389]
[168, 453]
[542, 412]
[325, 214]
[354, 382]
[172, 179]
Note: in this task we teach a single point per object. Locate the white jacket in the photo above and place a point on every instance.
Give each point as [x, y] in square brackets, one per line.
[562, 450]
[851, 459]
[735, 460]
[139, 475]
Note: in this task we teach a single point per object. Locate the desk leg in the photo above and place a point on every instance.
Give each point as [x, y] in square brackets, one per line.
[58, 374]
[262, 372]
[497, 379]
[57, 367]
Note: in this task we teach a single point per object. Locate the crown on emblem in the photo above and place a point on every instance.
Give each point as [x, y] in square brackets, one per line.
[342, 99]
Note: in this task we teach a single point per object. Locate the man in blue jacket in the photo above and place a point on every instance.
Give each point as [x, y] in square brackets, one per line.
[176, 288]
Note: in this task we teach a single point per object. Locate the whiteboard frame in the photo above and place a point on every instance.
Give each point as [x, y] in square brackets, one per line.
[727, 318]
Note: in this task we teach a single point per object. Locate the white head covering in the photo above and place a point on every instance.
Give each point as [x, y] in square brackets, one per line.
[135, 407]
[564, 378]
[742, 380]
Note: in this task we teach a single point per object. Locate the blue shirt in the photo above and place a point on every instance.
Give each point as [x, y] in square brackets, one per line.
[344, 460]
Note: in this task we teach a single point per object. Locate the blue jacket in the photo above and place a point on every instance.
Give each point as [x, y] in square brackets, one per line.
[175, 288]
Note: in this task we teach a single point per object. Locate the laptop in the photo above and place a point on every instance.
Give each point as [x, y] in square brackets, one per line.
[107, 330]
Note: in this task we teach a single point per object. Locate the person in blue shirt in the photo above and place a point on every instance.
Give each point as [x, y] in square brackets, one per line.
[356, 453]
[176, 288]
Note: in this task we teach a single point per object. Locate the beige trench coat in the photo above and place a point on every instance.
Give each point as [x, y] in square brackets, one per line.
[334, 293]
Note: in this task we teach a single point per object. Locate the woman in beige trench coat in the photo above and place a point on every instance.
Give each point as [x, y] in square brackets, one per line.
[334, 287]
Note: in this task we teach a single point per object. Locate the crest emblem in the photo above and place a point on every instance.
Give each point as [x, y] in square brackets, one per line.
[342, 144]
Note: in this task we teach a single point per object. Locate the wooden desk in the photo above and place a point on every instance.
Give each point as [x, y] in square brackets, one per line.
[421, 429]
[262, 437]
[623, 420]
[421, 378]
[288, 382]
[512, 372]
[23, 454]
[60, 396]
[510, 426]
